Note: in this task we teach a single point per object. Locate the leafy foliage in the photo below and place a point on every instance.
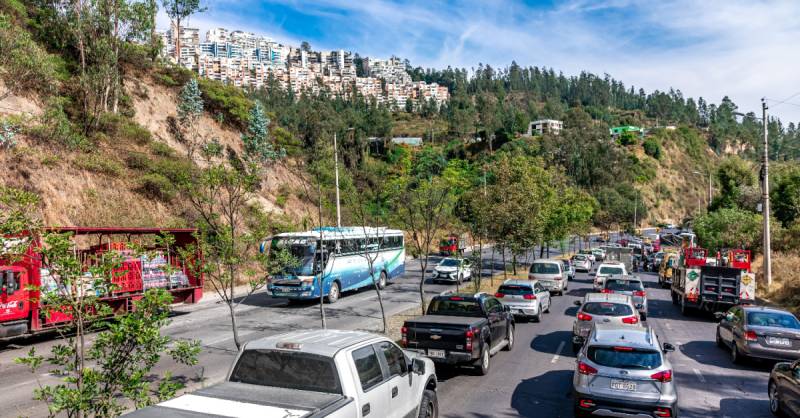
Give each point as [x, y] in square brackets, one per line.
[728, 228]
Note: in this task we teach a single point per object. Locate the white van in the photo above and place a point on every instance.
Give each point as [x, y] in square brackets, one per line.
[551, 274]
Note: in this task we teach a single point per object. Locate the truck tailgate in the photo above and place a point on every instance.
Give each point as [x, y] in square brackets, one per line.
[720, 284]
[243, 400]
[438, 332]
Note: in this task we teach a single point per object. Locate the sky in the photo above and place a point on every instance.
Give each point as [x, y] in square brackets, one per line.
[745, 49]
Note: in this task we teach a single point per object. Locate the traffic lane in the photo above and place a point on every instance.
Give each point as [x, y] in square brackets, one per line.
[532, 380]
[709, 384]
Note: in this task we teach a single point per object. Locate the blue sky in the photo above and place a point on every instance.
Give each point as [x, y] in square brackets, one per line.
[710, 48]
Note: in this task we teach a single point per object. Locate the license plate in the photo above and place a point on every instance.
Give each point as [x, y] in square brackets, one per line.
[783, 342]
[623, 385]
[436, 353]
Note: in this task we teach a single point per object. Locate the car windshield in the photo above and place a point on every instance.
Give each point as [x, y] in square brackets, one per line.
[449, 262]
[303, 250]
[544, 268]
[610, 271]
[455, 306]
[772, 319]
[625, 357]
[620, 285]
[291, 370]
[607, 309]
[513, 289]
[579, 257]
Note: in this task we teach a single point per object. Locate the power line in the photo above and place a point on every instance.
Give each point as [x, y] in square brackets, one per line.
[775, 104]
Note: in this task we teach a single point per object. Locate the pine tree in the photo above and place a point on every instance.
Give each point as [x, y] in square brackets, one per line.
[190, 105]
[257, 144]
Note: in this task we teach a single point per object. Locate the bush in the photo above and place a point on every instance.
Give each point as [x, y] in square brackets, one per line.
[55, 127]
[628, 138]
[157, 186]
[173, 75]
[123, 129]
[728, 228]
[226, 99]
[162, 149]
[15, 9]
[652, 147]
[99, 164]
[26, 65]
[177, 171]
[138, 161]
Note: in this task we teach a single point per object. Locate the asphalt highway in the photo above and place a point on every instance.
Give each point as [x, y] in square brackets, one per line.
[533, 380]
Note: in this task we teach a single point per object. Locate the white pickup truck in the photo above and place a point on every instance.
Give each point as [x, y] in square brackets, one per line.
[311, 374]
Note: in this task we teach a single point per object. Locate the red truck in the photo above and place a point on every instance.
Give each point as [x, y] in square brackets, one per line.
[23, 278]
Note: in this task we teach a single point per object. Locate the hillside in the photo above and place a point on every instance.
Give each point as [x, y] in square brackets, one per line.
[115, 182]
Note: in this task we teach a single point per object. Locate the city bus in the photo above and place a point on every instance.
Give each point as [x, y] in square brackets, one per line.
[338, 258]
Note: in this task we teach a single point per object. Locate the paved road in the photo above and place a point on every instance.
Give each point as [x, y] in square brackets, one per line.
[535, 378]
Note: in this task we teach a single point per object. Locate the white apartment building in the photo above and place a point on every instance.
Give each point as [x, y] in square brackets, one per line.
[543, 126]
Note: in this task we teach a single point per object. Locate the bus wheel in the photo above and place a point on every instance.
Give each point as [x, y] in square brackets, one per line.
[382, 281]
[333, 294]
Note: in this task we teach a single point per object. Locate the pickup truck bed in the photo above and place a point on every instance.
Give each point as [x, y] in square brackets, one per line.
[231, 399]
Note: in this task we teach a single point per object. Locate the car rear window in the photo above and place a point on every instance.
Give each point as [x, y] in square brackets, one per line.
[292, 370]
[625, 357]
[545, 268]
[508, 289]
[455, 306]
[579, 257]
[772, 319]
[607, 309]
[610, 270]
[620, 285]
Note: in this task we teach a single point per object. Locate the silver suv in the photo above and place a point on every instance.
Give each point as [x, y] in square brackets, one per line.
[631, 286]
[607, 308]
[623, 371]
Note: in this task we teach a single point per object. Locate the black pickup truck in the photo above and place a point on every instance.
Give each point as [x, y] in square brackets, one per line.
[461, 328]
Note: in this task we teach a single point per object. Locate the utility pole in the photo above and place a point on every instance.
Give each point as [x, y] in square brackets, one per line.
[710, 193]
[765, 199]
[336, 170]
[635, 212]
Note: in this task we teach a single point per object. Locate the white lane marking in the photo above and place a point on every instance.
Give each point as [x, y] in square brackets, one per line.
[558, 353]
[699, 376]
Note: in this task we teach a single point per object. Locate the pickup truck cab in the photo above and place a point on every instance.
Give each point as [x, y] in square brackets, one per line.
[461, 328]
[313, 374]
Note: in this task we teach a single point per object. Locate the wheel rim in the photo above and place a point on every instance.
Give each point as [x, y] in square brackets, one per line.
[773, 398]
[334, 292]
[429, 409]
[734, 353]
[383, 280]
[511, 338]
[485, 360]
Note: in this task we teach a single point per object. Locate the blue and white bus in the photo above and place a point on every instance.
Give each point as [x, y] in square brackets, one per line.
[340, 259]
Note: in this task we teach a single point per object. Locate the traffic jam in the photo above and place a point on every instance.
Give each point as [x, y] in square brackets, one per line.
[623, 365]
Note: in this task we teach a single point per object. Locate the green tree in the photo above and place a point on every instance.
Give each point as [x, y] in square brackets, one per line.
[728, 228]
[257, 143]
[786, 197]
[734, 176]
[178, 11]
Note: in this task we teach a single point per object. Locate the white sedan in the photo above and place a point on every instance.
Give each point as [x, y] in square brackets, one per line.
[452, 269]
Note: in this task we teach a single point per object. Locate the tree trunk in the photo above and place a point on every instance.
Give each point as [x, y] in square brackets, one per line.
[541, 250]
[380, 299]
[233, 324]
[115, 78]
[514, 262]
[422, 283]
[491, 263]
[505, 270]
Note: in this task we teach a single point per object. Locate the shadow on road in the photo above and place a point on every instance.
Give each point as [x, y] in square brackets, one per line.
[707, 352]
[571, 311]
[549, 343]
[548, 395]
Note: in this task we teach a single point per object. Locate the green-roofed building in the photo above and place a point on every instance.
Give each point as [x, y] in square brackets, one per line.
[619, 130]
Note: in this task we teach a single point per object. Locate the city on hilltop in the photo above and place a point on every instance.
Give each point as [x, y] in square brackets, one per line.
[245, 59]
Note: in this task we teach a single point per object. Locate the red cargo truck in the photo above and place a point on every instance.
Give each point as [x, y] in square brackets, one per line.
[22, 278]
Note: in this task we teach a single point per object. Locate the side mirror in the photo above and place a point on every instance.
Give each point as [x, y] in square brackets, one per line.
[418, 366]
[578, 303]
[668, 348]
[639, 306]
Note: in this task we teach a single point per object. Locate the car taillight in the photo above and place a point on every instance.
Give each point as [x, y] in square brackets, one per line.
[606, 291]
[499, 295]
[584, 317]
[750, 336]
[586, 403]
[630, 320]
[529, 297]
[586, 369]
[663, 376]
[470, 334]
[404, 335]
[663, 412]
[639, 293]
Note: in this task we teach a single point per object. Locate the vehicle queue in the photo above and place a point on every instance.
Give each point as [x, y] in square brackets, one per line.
[622, 368]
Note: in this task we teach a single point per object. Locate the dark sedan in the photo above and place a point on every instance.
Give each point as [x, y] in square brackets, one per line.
[784, 390]
[759, 332]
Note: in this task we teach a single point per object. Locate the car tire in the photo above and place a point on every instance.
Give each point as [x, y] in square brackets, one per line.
[576, 347]
[775, 401]
[429, 407]
[720, 343]
[334, 293]
[538, 316]
[509, 339]
[485, 361]
[383, 281]
[548, 306]
[643, 315]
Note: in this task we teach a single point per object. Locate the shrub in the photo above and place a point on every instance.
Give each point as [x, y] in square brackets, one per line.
[26, 65]
[99, 164]
[628, 138]
[55, 127]
[123, 129]
[138, 161]
[15, 9]
[173, 75]
[162, 149]
[157, 186]
[226, 99]
[652, 147]
[177, 171]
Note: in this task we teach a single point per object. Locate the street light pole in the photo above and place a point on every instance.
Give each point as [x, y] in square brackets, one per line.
[765, 200]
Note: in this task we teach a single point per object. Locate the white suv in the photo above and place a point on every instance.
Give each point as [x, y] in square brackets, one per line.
[611, 268]
[550, 274]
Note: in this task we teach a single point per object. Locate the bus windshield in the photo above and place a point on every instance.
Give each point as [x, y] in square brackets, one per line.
[303, 250]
